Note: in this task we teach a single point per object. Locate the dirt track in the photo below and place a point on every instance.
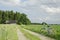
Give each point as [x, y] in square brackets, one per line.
[20, 35]
[42, 37]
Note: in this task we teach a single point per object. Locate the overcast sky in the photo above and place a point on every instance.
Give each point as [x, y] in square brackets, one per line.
[36, 10]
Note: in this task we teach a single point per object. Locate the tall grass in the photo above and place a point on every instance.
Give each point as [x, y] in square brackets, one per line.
[8, 32]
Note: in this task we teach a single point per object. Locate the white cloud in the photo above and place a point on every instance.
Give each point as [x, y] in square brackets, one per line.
[47, 18]
[10, 2]
[42, 19]
[15, 2]
[18, 2]
[51, 10]
[31, 2]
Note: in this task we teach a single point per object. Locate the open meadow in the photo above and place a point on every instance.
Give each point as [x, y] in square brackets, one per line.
[15, 32]
[18, 32]
[8, 32]
[55, 30]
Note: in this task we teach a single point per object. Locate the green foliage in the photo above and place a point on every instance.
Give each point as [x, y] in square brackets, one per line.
[44, 23]
[23, 19]
[10, 15]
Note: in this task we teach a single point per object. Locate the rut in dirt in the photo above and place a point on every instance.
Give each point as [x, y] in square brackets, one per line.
[20, 35]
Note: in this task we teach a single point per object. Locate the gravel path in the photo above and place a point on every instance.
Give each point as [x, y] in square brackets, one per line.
[42, 37]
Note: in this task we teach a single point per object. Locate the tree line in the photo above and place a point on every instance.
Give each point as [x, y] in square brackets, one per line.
[43, 23]
[20, 18]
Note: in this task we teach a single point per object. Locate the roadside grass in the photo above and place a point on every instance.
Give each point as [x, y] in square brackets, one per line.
[8, 32]
[28, 35]
[57, 31]
[38, 29]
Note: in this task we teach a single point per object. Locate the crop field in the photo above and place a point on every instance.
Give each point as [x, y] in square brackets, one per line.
[8, 32]
[55, 30]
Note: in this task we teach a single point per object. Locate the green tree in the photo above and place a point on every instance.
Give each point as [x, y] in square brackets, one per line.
[11, 15]
[23, 19]
[0, 16]
[3, 17]
[44, 23]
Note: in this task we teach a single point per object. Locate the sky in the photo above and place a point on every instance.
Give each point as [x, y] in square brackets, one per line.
[36, 10]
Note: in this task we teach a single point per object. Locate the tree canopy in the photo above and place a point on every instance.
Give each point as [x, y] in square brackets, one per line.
[44, 23]
[21, 18]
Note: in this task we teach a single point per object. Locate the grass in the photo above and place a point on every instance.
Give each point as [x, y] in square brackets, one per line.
[38, 29]
[8, 32]
[28, 35]
[57, 31]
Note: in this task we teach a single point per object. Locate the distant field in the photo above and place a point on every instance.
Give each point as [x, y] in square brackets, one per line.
[38, 29]
[8, 32]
